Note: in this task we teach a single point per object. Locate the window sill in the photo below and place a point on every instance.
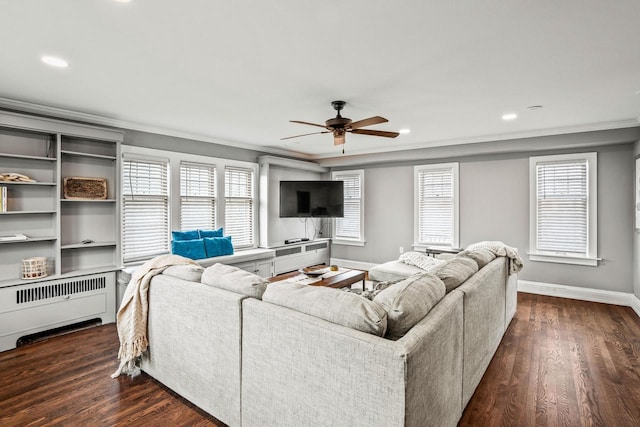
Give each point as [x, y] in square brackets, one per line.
[348, 242]
[563, 259]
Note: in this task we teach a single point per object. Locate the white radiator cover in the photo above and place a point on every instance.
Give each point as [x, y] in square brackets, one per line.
[40, 306]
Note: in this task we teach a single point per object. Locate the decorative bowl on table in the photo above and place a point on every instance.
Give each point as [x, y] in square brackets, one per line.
[313, 271]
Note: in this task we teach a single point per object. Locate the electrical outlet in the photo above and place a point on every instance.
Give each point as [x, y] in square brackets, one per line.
[401, 250]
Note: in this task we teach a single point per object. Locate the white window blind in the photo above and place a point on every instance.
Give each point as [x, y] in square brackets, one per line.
[350, 226]
[562, 206]
[197, 196]
[145, 209]
[436, 205]
[239, 206]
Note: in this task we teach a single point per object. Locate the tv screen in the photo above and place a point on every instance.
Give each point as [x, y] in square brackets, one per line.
[311, 199]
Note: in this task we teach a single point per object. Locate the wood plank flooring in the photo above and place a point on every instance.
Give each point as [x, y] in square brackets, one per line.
[561, 363]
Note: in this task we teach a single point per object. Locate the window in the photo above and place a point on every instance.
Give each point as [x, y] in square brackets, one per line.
[436, 205]
[145, 209]
[197, 196]
[239, 206]
[563, 217]
[350, 229]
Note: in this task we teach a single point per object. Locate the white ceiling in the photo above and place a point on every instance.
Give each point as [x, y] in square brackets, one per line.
[237, 71]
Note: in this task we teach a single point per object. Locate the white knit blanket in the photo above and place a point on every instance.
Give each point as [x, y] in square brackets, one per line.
[420, 260]
[132, 316]
[500, 249]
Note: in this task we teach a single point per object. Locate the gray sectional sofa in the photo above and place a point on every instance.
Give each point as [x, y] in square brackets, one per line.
[251, 362]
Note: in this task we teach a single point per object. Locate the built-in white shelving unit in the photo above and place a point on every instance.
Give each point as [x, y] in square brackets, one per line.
[80, 284]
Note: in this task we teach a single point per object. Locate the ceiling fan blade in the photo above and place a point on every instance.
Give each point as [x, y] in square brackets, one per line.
[384, 133]
[368, 122]
[307, 123]
[304, 134]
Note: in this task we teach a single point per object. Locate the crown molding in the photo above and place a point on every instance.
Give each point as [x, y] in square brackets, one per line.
[620, 124]
[61, 113]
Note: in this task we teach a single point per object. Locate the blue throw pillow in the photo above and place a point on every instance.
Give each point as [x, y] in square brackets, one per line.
[193, 249]
[217, 246]
[185, 235]
[211, 233]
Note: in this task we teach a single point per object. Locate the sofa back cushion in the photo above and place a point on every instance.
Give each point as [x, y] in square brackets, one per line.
[188, 272]
[482, 256]
[333, 305]
[409, 301]
[455, 271]
[234, 279]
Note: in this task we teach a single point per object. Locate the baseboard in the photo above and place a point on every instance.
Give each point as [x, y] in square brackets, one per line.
[635, 304]
[347, 263]
[583, 294]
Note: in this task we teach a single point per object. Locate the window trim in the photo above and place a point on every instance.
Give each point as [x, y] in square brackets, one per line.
[591, 257]
[455, 169]
[343, 240]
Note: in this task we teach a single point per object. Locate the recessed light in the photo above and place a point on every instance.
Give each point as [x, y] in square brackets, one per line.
[404, 131]
[54, 61]
[509, 116]
[534, 107]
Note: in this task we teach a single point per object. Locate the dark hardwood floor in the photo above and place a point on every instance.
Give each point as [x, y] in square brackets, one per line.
[561, 362]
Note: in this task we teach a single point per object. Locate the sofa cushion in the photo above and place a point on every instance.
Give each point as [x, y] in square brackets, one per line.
[193, 249]
[218, 246]
[234, 279]
[188, 272]
[330, 304]
[455, 271]
[211, 233]
[185, 235]
[393, 270]
[409, 301]
[482, 256]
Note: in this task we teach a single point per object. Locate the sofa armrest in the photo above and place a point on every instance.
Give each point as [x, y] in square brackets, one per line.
[194, 344]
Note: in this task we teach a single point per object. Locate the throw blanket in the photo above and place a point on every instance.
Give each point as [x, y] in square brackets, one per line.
[420, 260]
[500, 249]
[132, 316]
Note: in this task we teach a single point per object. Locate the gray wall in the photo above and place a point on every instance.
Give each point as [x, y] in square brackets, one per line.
[494, 205]
[636, 236]
[188, 146]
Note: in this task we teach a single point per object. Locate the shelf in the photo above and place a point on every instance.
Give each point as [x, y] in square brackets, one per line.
[27, 212]
[30, 239]
[77, 273]
[79, 154]
[88, 200]
[50, 184]
[22, 156]
[87, 245]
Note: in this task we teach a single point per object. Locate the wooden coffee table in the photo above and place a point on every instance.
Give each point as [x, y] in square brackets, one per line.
[340, 280]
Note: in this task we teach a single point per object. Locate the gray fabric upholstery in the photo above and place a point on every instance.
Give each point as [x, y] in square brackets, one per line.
[482, 256]
[484, 321]
[234, 279]
[455, 271]
[194, 344]
[188, 272]
[392, 270]
[298, 370]
[408, 301]
[330, 304]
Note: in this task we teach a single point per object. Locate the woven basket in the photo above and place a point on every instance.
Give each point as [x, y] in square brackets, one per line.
[34, 268]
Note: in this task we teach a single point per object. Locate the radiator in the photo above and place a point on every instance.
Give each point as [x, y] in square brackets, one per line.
[40, 306]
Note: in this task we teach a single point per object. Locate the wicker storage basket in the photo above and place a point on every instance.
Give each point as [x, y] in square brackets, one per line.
[85, 188]
[34, 268]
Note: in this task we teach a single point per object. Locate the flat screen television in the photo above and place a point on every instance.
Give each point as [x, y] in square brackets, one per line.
[320, 199]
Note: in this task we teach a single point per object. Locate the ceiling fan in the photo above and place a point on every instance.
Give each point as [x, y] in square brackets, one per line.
[339, 126]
